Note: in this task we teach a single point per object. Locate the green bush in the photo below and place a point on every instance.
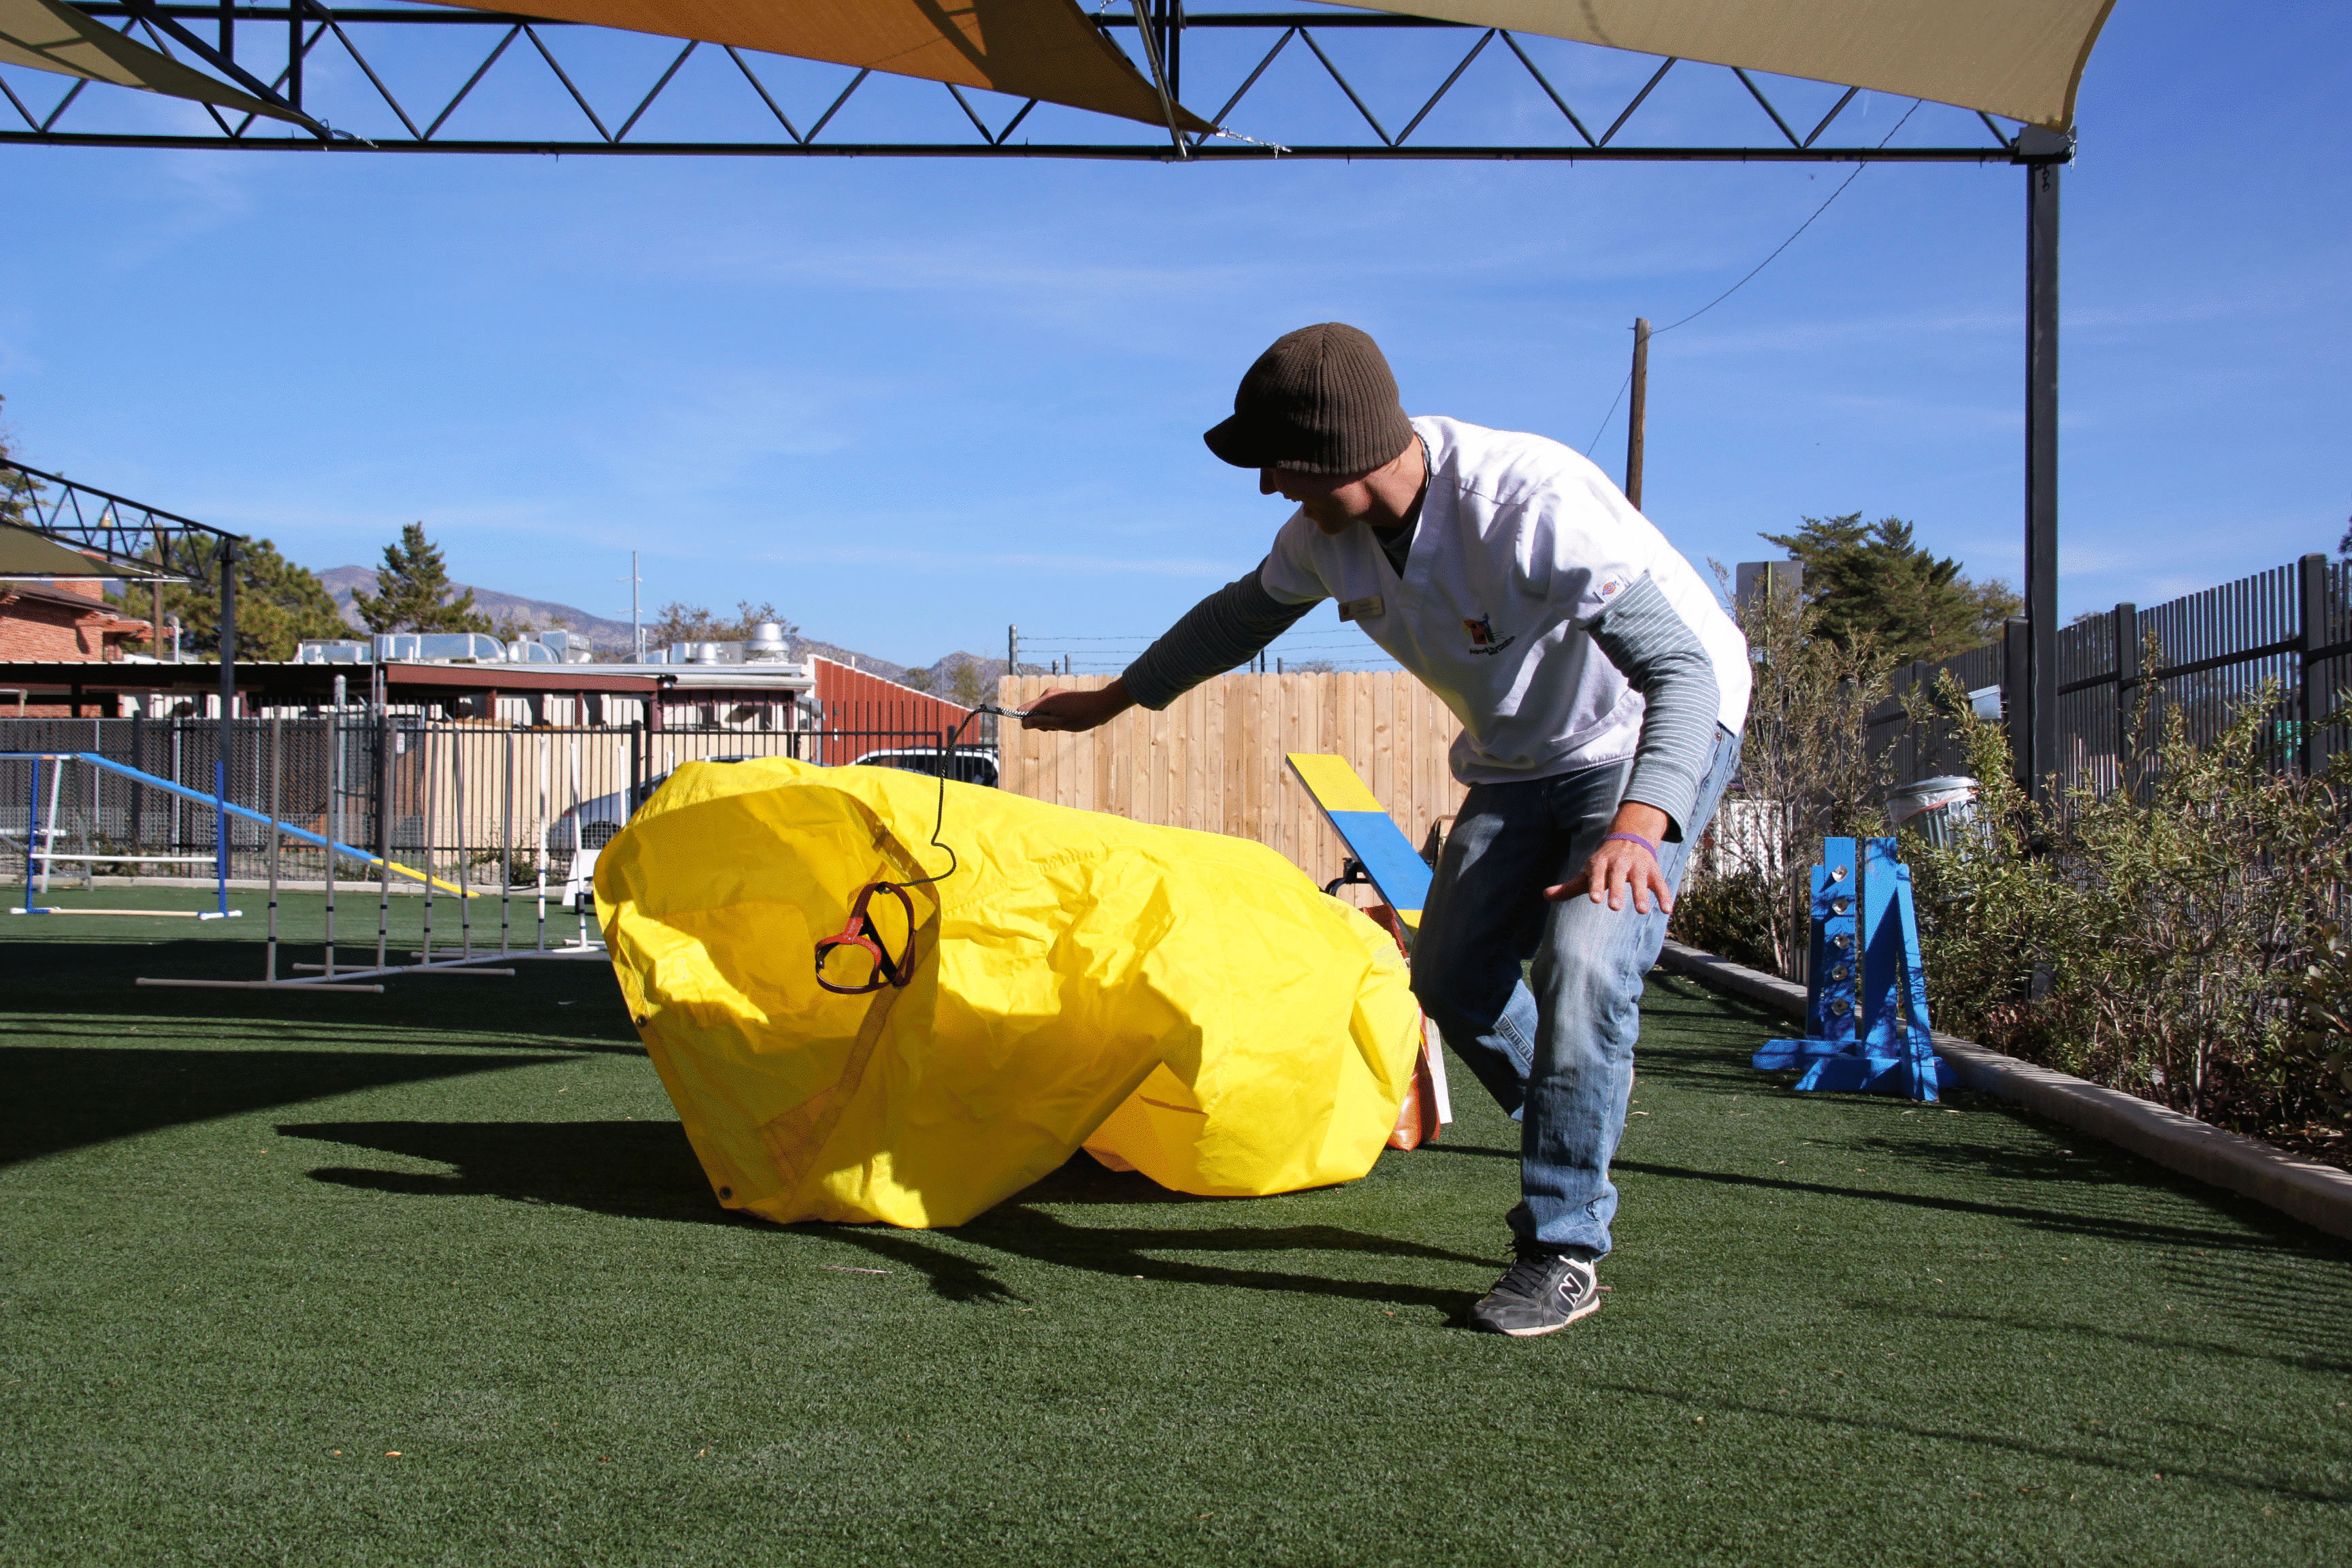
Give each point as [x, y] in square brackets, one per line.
[2171, 937]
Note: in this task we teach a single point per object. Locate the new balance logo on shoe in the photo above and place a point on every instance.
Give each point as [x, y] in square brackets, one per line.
[1542, 1293]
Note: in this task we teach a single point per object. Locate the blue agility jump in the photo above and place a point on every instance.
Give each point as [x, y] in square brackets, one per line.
[223, 810]
[1865, 988]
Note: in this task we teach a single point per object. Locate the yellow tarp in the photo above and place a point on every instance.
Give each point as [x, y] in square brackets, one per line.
[1182, 1003]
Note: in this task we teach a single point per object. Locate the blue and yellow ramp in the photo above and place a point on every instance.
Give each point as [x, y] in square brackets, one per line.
[1370, 833]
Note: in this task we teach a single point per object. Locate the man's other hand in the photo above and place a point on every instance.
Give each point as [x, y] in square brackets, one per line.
[1620, 868]
[1077, 710]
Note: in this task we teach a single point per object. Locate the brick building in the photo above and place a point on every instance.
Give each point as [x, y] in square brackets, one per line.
[63, 621]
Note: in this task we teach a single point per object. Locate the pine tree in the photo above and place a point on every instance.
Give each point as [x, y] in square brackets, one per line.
[414, 591]
[278, 602]
[16, 488]
[966, 685]
[1875, 586]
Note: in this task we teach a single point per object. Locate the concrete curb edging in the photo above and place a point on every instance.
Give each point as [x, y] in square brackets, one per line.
[2319, 1196]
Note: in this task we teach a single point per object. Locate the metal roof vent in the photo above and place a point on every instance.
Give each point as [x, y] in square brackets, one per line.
[767, 642]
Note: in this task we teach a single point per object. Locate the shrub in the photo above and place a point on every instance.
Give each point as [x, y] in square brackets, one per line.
[1805, 774]
[2171, 938]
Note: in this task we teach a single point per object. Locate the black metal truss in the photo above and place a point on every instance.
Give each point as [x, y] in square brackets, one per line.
[298, 28]
[139, 539]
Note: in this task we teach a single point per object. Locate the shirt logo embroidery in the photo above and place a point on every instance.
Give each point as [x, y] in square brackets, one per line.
[1482, 640]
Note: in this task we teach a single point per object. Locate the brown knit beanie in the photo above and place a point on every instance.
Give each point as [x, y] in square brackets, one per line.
[1321, 400]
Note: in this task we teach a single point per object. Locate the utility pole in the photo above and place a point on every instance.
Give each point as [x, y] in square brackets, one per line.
[1012, 650]
[1638, 417]
[636, 629]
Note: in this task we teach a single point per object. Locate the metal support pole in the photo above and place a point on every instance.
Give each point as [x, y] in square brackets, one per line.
[50, 838]
[277, 773]
[506, 847]
[382, 829]
[334, 822]
[224, 737]
[1637, 418]
[2126, 633]
[465, 850]
[2049, 152]
[2311, 635]
[2016, 670]
[228, 646]
[32, 832]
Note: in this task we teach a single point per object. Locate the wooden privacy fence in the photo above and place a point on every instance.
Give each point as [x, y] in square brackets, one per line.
[1214, 761]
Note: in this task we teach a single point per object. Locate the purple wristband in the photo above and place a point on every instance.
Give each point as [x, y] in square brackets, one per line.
[1636, 838]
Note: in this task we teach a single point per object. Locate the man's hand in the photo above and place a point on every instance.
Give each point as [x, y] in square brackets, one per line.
[1077, 710]
[1619, 867]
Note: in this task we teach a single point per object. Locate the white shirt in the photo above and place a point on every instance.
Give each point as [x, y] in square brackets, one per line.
[1521, 543]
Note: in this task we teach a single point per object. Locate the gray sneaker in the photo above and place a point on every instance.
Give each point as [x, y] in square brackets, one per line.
[1542, 1293]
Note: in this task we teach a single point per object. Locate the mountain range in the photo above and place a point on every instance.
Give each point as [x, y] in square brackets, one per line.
[611, 638]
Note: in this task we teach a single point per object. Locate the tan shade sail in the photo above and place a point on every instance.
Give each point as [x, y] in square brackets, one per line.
[23, 554]
[50, 36]
[2020, 59]
[1044, 49]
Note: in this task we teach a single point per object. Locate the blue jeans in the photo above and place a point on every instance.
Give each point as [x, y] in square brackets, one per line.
[1560, 1057]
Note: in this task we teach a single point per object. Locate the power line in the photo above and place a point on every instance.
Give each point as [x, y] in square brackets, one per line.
[1784, 244]
[1760, 267]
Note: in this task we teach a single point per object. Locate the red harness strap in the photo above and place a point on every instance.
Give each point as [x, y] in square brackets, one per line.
[862, 935]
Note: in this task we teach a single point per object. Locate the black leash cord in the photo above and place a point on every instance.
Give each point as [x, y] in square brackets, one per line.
[861, 931]
[939, 820]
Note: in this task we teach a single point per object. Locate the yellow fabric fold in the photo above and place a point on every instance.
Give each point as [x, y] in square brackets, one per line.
[1185, 1005]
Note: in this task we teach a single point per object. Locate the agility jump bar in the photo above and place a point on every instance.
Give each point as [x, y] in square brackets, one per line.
[221, 804]
[1370, 833]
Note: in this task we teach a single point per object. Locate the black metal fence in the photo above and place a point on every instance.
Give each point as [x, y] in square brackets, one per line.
[453, 802]
[2205, 656]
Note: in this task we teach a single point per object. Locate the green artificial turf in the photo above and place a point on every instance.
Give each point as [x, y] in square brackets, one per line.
[255, 1245]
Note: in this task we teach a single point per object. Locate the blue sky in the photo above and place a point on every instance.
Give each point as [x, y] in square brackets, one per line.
[912, 402]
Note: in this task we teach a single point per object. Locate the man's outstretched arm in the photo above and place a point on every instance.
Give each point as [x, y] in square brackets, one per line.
[1224, 630]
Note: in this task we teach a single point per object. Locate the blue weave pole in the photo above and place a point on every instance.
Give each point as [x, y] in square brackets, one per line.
[1893, 1052]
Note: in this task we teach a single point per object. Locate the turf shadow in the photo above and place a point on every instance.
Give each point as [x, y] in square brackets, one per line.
[646, 1170]
[563, 1002]
[2173, 1466]
[2078, 1221]
[1129, 1252]
[635, 1170]
[2319, 1322]
[64, 1097]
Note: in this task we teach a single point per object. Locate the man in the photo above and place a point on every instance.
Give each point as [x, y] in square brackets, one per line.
[1600, 689]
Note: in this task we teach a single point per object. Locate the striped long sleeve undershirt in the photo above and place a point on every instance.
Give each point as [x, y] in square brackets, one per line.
[1662, 658]
[1223, 631]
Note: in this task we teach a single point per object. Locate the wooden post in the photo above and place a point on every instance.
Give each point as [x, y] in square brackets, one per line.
[1637, 417]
